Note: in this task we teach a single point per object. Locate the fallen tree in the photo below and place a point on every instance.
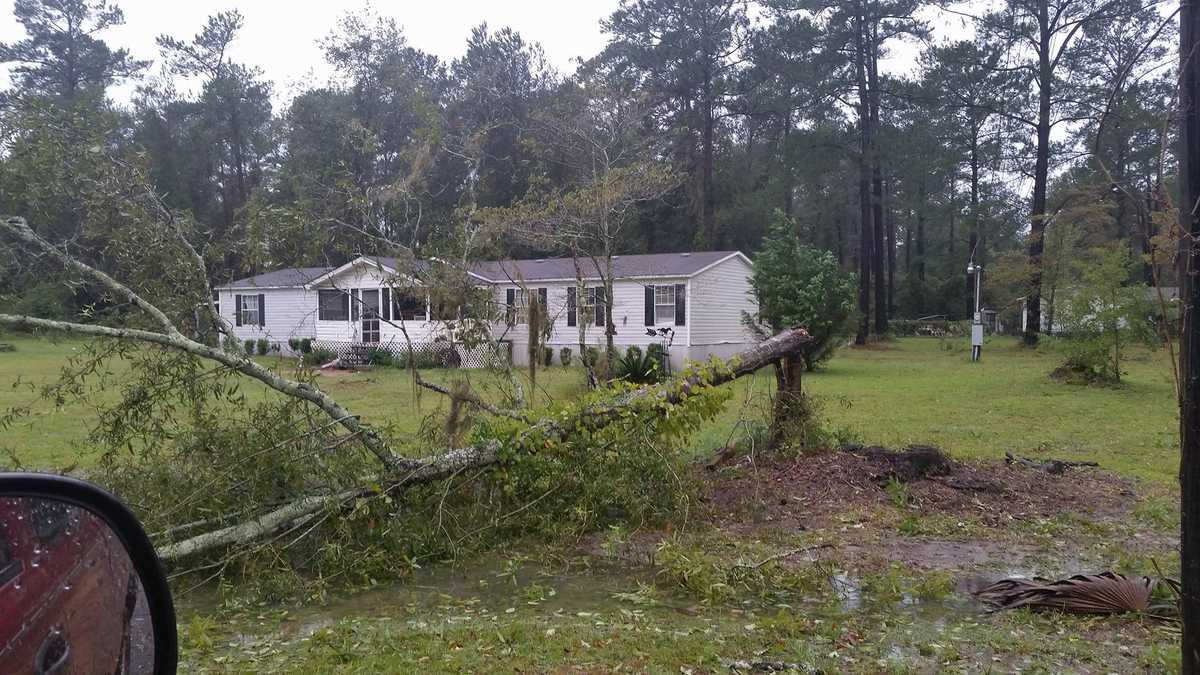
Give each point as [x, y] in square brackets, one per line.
[409, 472]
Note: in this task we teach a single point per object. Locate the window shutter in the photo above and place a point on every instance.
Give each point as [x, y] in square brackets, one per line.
[237, 310]
[385, 303]
[649, 305]
[600, 306]
[262, 310]
[572, 304]
[354, 304]
[510, 299]
[680, 304]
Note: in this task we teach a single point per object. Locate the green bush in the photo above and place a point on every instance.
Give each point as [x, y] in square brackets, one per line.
[262, 346]
[797, 285]
[317, 357]
[421, 359]
[1101, 315]
[50, 300]
[638, 367]
[231, 344]
[564, 356]
[294, 344]
[381, 357]
[248, 346]
[547, 356]
[305, 345]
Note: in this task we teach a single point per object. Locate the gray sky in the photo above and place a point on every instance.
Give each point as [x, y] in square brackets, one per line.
[280, 35]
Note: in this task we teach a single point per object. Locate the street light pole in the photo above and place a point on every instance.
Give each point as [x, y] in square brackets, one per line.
[977, 319]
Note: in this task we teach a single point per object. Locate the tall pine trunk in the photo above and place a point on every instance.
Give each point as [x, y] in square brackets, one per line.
[866, 226]
[878, 255]
[1041, 172]
[1189, 413]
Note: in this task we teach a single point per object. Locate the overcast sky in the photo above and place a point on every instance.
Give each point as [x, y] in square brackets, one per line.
[280, 36]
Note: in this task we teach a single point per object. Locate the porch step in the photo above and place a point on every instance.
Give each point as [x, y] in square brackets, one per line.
[357, 354]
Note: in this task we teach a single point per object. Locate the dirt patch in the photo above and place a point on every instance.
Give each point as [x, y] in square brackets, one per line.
[809, 492]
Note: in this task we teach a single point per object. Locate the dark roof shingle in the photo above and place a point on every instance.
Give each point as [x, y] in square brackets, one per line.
[289, 277]
[624, 266]
[500, 271]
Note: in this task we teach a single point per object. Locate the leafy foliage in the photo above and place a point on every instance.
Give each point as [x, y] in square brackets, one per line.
[638, 367]
[1101, 315]
[797, 285]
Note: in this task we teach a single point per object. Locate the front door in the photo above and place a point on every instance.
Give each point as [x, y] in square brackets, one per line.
[370, 315]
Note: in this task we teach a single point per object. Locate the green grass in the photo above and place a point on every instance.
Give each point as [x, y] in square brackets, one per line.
[916, 392]
[908, 391]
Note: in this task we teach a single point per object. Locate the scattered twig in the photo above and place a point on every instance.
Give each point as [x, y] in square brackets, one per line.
[784, 554]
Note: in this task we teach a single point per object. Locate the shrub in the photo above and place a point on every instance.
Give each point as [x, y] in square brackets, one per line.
[380, 357]
[564, 356]
[262, 346]
[47, 300]
[248, 345]
[547, 356]
[424, 359]
[231, 344]
[294, 344]
[1100, 315]
[637, 367]
[317, 357]
[305, 345]
[797, 285]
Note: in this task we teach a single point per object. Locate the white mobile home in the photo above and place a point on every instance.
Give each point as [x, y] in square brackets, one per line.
[694, 299]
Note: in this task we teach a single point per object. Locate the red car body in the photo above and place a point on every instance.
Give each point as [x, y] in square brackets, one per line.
[66, 591]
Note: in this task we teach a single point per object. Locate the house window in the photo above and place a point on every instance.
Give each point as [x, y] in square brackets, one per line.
[409, 306]
[664, 303]
[593, 307]
[333, 305]
[521, 306]
[249, 311]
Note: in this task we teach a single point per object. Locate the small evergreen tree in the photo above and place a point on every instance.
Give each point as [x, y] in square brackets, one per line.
[797, 285]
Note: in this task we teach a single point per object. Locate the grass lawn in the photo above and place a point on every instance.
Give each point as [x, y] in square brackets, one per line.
[909, 391]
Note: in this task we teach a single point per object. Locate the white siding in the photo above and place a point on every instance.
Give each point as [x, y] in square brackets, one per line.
[290, 313]
[716, 299]
[719, 296]
[629, 309]
[366, 276]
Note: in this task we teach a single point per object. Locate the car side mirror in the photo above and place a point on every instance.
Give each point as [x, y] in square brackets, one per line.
[81, 589]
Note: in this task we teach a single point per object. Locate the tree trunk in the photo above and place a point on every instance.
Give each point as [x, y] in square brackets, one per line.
[890, 219]
[921, 195]
[788, 176]
[1189, 414]
[882, 302]
[708, 213]
[866, 227]
[1041, 172]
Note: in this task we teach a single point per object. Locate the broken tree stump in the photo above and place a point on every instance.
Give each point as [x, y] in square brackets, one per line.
[909, 464]
[1051, 466]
